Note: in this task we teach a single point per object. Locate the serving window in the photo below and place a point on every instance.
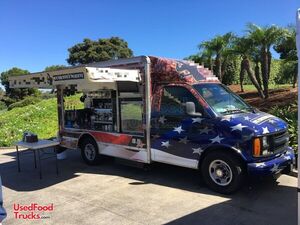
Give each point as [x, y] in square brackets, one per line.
[131, 115]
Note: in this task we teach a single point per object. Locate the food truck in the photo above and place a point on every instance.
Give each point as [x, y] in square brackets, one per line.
[152, 109]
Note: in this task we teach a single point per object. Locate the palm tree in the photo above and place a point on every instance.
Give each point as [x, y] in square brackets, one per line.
[264, 38]
[216, 47]
[255, 57]
[244, 47]
[286, 47]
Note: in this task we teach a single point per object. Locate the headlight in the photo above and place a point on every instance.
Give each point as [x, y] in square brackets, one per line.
[265, 142]
[261, 146]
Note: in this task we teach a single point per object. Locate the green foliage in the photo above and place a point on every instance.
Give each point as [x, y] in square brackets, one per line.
[90, 51]
[286, 45]
[16, 93]
[289, 113]
[26, 101]
[54, 67]
[286, 71]
[40, 118]
[231, 72]
[2, 106]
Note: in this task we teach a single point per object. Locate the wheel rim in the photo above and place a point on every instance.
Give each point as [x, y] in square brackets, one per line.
[220, 172]
[90, 152]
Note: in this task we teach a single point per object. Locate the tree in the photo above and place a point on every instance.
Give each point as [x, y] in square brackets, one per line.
[243, 47]
[54, 67]
[217, 47]
[286, 47]
[51, 68]
[264, 38]
[16, 93]
[90, 51]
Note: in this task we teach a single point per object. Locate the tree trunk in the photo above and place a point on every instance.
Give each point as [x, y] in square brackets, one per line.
[223, 67]
[257, 75]
[242, 74]
[247, 67]
[264, 71]
[218, 67]
[295, 80]
[295, 77]
[211, 64]
[269, 63]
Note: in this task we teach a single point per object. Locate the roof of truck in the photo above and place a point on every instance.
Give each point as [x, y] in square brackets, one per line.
[163, 70]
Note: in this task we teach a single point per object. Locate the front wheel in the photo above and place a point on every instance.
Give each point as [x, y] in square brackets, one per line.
[223, 172]
[89, 151]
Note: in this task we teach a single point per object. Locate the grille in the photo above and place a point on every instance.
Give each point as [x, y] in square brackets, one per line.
[279, 141]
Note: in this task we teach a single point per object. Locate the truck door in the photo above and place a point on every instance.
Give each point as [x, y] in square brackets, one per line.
[172, 128]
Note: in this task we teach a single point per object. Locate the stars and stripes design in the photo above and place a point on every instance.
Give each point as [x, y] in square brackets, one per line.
[190, 137]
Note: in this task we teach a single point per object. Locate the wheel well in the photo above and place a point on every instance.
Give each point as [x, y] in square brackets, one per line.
[84, 137]
[221, 149]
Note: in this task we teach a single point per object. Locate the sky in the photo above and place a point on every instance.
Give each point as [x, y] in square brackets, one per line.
[35, 34]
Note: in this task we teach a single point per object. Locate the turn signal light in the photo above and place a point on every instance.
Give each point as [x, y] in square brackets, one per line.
[256, 147]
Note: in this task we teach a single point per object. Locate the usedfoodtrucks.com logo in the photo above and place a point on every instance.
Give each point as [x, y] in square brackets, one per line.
[33, 211]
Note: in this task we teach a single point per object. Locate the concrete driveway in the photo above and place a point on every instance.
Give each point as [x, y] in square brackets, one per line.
[112, 193]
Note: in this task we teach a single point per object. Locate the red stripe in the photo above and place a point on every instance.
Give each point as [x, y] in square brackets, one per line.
[119, 139]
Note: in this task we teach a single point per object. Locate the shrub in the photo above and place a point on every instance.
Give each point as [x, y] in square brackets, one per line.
[2, 105]
[27, 101]
[289, 113]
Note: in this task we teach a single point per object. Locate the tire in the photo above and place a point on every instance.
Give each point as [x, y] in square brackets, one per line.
[89, 151]
[223, 172]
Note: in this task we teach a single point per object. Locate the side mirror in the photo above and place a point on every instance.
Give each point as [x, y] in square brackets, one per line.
[190, 109]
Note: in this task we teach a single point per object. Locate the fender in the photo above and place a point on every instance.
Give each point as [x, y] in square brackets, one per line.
[221, 147]
[83, 135]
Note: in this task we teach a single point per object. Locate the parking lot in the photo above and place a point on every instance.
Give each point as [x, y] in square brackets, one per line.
[112, 193]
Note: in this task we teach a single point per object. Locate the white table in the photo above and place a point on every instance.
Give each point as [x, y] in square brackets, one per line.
[38, 147]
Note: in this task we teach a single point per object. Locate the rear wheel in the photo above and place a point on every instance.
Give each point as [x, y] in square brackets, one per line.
[223, 172]
[89, 151]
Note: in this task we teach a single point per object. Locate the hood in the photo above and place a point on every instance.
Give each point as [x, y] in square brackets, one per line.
[258, 123]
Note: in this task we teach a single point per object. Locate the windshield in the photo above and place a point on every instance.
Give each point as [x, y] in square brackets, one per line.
[221, 99]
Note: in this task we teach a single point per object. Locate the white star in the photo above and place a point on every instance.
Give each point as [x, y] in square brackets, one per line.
[237, 127]
[165, 144]
[205, 130]
[162, 119]
[246, 118]
[216, 139]
[178, 129]
[227, 118]
[197, 120]
[197, 150]
[287, 157]
[272, 121]
[260, 164]
[265, 130]
[274, 168]
[183, 140]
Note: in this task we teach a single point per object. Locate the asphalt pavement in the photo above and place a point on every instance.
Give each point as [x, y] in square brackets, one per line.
[112, 193]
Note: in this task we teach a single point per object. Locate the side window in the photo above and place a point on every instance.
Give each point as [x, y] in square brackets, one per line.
[132, 115]
[174, 99]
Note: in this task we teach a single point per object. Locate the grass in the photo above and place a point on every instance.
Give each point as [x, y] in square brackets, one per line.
[250, 87]
[40, 118]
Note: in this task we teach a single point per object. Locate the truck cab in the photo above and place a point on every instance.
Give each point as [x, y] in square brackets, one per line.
[208, 127]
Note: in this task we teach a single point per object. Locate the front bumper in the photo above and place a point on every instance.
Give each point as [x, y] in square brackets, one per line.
[273, 166]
